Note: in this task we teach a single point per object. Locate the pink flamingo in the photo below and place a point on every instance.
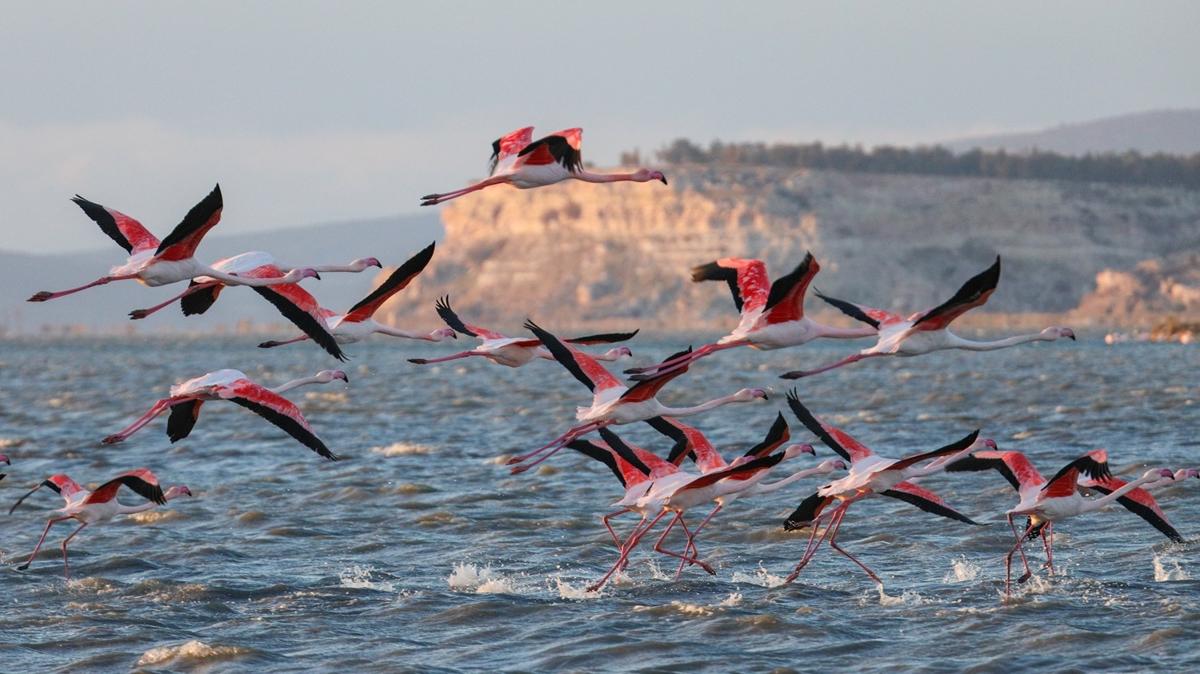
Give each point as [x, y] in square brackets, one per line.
[772, 313]
[233, 385]
[514, 351]
[1048, 501]
[928, 331]
[613, 402]
[524, 163]
[154, 263]
[870, 475]
[94, 507]
[1140, 502]
[357, 323]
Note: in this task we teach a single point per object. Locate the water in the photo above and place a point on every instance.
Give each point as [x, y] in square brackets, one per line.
[419, 552]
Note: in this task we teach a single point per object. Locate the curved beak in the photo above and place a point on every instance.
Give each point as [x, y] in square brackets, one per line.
[663, 179]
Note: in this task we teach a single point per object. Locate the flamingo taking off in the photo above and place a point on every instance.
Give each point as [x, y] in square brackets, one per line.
[1045, 502]
[93, 507]
[870, 475]
[513, 351]
[772, 313]
[357, 323]
[154, 263]
[927, 331]
[613, 402]
[524, 163]
[233, 385]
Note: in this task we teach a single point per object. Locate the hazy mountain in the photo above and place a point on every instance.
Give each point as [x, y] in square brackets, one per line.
[391, 239]
[1168, 131]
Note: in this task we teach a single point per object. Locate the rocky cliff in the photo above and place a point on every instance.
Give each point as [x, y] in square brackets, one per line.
[583, 256]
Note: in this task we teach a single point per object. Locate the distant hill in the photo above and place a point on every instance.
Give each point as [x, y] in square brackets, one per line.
[1167, 131]
[391, 239]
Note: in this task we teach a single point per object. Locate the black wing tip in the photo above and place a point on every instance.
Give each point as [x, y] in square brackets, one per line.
[709, 271]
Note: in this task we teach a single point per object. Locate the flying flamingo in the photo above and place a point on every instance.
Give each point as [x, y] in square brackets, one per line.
[234, 386]
[513, 351]
[927, 331]
[522, 162]
[772, 313]
[1048, 501]
[613, 402]
[1140, 502]
[154, 263]
[870, 475]
[357, 324]
[93, 507]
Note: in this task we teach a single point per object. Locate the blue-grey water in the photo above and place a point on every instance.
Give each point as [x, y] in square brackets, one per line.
[419, 552]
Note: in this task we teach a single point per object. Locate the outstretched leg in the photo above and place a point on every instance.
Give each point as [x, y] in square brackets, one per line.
[46, 295]
[554, 445]
[605, 519]
[659, 548]
[430, 361]
[434, 199]
[270, 344]
[138, 314]
[1024, 561]
[814, 542]
[67, 566]
[1008, 563]
[1048, 546]
[630, 543]
[833, 544]
[680, 362]
[691, 544]
[797, 374]
[51, 522]
[158, 408]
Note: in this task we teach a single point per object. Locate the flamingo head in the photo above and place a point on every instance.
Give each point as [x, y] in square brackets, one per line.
[1158, 474]
[5, 459]
[987, 443]
[797, 449]
[747, 394]
[1058, 333]
[177, 491]
[442, 333]
[838, 464]
[326, 376]
[646, 175]
[364, 262]
[1185, 473]
[297, 275]
[617, 353]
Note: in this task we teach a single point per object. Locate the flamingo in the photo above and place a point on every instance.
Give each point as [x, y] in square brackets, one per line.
[927, 331]
[357, 324]
[1140, 502]
[154, 263]
[613, 402]
[524, 163]
[870, 475]
[772, 314]
[101, 505]
[233, 385]
[1048, 501]
[512, 351]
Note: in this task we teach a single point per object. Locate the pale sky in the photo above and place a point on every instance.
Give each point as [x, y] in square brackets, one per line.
[310, 111]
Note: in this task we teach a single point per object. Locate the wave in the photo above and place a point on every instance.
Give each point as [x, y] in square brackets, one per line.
[190, 653]
[401, 449]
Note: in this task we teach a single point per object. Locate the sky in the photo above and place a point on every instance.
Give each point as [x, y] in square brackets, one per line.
[312, 112]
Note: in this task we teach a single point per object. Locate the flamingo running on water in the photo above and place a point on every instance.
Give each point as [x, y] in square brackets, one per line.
[928, 331]
[613, 402]
[232, 385]
[1046, 502]
[772, 313]
[357, 323]
[524, 163]
[515, 351]
[93, 507]
[154, 263]
[870, 475]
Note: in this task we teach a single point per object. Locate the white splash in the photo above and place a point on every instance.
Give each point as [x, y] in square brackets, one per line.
[480, 580]
[761, 577]
[904, 598]
[189, 651]
[733, 599]
[1163, 574]
[401, 449]
[568, 590]
[962, 570]
[9, 443]
[359, 578]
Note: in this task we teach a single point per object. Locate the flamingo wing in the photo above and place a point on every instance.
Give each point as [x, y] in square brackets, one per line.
[199, 302]
[747, 280]
[941, 451]
[689, 442]
[396, 282]
[1140, 503]
[127, 232]
[301, 308]
[279, 411]
[1094, 464]
[925, 500]
[740, 471]
[646, 389]
[586, 369]
[786, 299]
[602, 454]
[835, 438]
[451, 319]
[1014, 466]
[508, 146]
[642, 460]
[603, 338]
[563, 148]
[181, 243]
[58, 483]
[808, 510]
[141, 481]
[859, 312]
[778, 434]
[974, 293]
[183, 419]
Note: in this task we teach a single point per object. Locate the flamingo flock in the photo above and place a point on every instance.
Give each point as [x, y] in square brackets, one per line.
[661, 491]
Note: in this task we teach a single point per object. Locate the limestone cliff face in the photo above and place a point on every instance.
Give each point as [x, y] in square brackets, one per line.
[1142, 295]
[589, 256]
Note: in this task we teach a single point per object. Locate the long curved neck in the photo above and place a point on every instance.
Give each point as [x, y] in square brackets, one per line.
[1098, 503]
[397, 332]
[701, 408]
[353, 268]
[972, 345]
[794, 477]
[234, 280]
[296, 383]
[844, 333]
[589, 177]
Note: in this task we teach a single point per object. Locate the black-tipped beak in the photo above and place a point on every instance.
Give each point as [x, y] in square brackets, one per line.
[317, 275]
[664, 180]
[1072, 336]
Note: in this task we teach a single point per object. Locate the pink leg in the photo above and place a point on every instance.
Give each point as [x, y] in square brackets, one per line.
[814, 543]
[630, 544]
[1008, 563]
[668, 366]
[430, 361]
[555, 445]
[274, 343]
[50, 523]
[797, 374]
[833, 544]
[659, 548]
[46, 295]
[606, 518]
[1024, 561]
[434, 199]
[158, 408]
[138, 314]
[1048, 545]
[691, 544]
[66, 565]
